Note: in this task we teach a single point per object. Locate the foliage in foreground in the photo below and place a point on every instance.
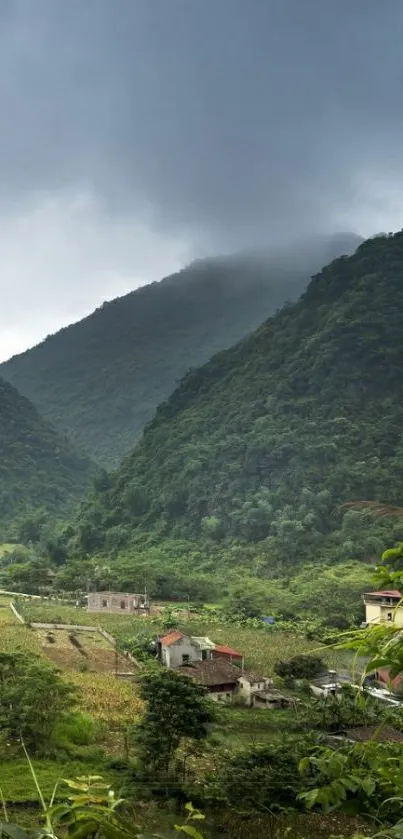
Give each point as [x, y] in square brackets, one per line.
[176, 709]
[90, 810]
[32, 697]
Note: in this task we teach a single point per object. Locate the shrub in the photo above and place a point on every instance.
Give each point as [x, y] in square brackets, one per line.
[300, 667]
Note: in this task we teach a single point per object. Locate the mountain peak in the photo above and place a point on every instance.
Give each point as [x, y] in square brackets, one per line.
[100, 380]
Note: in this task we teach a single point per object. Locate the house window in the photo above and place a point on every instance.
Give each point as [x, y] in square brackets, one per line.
[228, 696]
[185, 658]
[123, 604]
[389, 616]
[204, 655]
[105, 604]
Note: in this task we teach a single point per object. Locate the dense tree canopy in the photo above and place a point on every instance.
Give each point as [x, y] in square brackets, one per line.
[101, 379]
[254, 453]
[38, 468]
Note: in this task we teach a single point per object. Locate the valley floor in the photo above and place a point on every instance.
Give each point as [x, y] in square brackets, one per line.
[90, 662]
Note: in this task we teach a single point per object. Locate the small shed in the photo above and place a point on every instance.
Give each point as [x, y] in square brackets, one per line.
[250, 683]
[270, 699]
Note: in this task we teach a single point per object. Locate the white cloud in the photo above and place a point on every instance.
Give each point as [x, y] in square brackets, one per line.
[61, 255]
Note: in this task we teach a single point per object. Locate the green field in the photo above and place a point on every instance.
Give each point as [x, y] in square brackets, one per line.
[261, 647]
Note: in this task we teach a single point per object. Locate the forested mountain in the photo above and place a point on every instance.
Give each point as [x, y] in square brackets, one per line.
[100, 380]
[37, 466]
[263, 444]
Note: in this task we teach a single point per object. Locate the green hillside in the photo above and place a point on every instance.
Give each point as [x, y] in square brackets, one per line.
[100, 380]
[254, 453]
[38, 467]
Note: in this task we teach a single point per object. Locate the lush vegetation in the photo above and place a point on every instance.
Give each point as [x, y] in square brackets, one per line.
[160, 744]
[38, 467]
[239, 482]
[101, 380]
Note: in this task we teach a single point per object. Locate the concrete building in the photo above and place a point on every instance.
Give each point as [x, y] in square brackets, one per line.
[220, 678]
[118, 602]
[383, 606]
[250, 684]
[270, 700]
[175, 648]
[225, 682]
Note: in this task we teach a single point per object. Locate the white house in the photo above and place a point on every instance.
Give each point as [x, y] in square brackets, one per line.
[175, 649]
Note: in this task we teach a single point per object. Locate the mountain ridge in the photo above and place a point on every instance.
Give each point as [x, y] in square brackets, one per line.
[100, 380]
[263, 444]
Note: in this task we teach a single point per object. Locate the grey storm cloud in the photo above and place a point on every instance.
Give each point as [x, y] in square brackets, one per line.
[139, 133]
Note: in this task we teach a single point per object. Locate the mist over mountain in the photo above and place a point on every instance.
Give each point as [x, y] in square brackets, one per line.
[100, 380]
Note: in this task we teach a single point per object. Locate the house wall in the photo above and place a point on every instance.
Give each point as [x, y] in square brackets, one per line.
[245, 690]
[376, 613]
[224, 694]
[272, 704]
[113, 602]
[172, 655]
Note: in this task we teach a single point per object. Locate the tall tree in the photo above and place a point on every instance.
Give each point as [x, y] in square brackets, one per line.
[177, 709]
[32, 696]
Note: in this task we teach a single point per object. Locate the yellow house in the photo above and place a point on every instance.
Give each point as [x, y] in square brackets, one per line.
[383, 606]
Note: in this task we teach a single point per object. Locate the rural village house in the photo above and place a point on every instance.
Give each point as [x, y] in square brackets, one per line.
[220, 678]
[383, 606]
[175, 648]
[219, 668]
[225, 683]
[117, 601]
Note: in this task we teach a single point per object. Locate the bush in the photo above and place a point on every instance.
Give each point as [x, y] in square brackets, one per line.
[75, 728]
[300, 667]
[266, 777]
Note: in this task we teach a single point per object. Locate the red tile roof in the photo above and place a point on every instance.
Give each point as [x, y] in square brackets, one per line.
[171, 638]
[387, 593]
[222, 648]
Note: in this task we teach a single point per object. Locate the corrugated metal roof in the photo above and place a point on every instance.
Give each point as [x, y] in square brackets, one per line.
[387, 593]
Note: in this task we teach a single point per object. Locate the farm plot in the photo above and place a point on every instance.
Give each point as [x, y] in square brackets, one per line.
[53, 612]
[107, 698]
[7, 617]
[82, 652]
[16, 638]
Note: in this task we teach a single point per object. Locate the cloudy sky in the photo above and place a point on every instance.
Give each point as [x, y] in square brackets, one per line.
[138, 134]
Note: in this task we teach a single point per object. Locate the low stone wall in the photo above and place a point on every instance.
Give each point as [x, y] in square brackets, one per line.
[72, 627]
[16, 614]
[107, 636]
